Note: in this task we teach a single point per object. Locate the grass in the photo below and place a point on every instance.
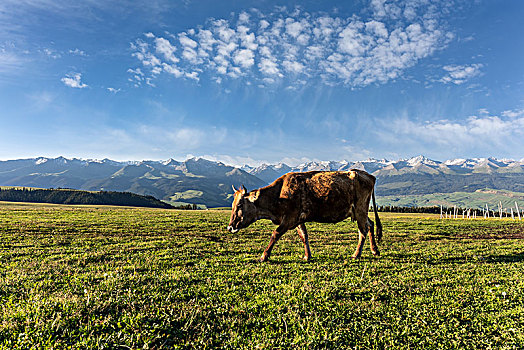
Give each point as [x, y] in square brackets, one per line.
[189, 194]
[106, 277]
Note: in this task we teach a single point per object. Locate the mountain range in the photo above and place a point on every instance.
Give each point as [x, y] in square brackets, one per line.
[208, 183]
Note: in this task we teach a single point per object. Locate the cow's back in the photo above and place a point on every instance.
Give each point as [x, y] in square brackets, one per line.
[327, 196]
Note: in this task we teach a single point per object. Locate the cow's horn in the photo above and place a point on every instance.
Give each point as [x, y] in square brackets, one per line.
[243, 188]
[234, 189]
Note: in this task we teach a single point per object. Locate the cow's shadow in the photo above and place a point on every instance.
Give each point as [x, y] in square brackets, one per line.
[288, 259]
[505, 258]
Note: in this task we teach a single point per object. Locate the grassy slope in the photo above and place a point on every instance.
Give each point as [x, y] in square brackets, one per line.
[460, 199]
[108, 277]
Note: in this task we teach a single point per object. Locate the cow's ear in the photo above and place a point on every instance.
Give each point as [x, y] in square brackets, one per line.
[253, 196]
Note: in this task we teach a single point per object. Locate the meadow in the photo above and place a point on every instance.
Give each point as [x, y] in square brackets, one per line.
[106, 277]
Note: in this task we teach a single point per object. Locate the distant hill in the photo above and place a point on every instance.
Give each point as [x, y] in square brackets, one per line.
[195, 181]
[203, 182]
[67, 196]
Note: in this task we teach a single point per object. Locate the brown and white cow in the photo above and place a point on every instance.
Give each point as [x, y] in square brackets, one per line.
[320, 196]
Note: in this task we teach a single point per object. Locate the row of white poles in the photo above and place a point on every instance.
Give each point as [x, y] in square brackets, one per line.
[486, 213]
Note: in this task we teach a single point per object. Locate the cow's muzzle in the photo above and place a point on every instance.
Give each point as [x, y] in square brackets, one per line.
[231, 229]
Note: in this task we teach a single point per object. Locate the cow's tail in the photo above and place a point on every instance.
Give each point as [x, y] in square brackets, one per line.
[377, 219]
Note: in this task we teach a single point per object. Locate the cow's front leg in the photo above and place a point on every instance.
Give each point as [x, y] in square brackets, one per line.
[275, 236]
[302, 232]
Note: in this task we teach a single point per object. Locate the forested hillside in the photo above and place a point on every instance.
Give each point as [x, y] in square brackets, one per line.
[67, 196]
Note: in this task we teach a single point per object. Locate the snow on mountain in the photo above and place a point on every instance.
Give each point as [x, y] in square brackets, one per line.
[41, 160]
[170, 162]
[421, 160]
[267, 172]
[382, 167]
[322, 166]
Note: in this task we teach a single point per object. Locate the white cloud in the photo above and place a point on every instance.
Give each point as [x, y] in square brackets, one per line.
[221, 27]
[51, 53]
[172, 69]
[77, 52]
[377, 28]
[263, 24]
[187, 42]
[269, 67]
[352, 39]
[137, 76]
[350, 51]
[513, 113]
[265, 51]
[192, 75]
[459, 74]
[164, 47]
[248, 41]
[206, 39]
[243, 17]
[482, 132]
[73, 80]
[244, 58]
[294, 28]
[191, 55]
[293, 66]
[113, 90]
[378, 8]
[143, 54]
[225, 49]
[314, 52]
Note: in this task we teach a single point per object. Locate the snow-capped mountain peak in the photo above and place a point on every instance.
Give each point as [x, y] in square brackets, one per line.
[421, 160]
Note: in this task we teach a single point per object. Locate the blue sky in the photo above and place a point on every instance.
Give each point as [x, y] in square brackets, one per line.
[261, 81]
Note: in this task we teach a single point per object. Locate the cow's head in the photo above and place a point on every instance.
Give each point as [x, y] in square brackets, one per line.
[244, 211]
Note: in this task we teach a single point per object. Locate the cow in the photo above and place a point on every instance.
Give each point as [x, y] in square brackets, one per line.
[314, 196]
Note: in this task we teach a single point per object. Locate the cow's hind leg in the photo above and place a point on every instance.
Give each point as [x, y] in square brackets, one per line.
[362, 223]
[302, 232]
[371, 234]
[275, 236]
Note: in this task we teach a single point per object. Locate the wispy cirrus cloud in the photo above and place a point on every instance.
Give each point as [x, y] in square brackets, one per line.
[74, 80]
[297, 45]
[10, 61]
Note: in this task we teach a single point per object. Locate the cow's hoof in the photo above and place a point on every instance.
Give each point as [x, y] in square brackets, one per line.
[306, 258]
[355, 256]
[264, 258]
[375, 253]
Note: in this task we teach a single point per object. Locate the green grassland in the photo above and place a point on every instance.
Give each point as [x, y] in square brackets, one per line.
[105, 277]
